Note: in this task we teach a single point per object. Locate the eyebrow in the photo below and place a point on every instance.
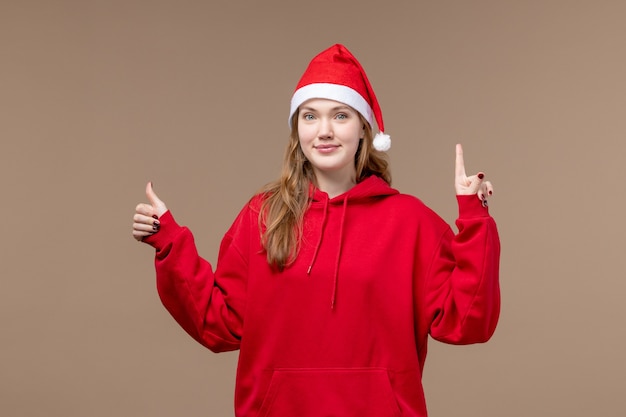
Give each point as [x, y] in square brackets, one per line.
[333, 109]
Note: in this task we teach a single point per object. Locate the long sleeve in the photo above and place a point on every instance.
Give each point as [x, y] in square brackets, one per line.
[208, 305]
[462, 293]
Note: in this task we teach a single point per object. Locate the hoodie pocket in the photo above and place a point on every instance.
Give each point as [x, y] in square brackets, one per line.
[330, 392]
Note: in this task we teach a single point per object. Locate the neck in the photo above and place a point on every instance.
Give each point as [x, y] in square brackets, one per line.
[335, 185]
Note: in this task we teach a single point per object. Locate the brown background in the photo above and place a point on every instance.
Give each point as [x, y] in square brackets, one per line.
[99, 97]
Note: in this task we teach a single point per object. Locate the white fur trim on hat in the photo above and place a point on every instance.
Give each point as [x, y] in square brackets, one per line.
[337, 92]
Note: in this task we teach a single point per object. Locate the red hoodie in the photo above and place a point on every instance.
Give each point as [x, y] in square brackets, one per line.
[343, 330]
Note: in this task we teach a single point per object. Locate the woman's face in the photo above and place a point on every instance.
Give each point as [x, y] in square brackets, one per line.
[330, 133]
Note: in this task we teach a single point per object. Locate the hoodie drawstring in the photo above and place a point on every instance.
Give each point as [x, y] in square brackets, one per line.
[336, 273]
[339, 247]
[364, 191]
[319, 241]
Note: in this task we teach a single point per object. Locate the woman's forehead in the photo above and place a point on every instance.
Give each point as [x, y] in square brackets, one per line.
[324, 104]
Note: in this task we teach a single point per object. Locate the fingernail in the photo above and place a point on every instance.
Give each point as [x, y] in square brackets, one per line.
[156, 227]
[485, 204]
[481, 175]
[154, 216]
[490, 192]
[155, 223]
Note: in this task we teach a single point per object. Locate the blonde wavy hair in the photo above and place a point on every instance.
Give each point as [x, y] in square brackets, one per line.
[286, 200]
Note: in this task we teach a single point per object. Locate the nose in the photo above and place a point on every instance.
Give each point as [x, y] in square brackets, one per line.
[325, 129]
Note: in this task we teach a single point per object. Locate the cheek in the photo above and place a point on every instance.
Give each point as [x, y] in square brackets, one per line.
[305, 134]
[355, 132]
[354, 128]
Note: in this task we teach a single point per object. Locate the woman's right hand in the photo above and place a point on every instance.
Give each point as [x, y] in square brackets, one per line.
[146, 218]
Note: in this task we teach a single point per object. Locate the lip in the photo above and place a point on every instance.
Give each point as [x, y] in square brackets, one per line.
[325, 148]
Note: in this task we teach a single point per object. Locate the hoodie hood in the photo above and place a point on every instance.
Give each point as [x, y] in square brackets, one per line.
[371, 187]
[365, 192]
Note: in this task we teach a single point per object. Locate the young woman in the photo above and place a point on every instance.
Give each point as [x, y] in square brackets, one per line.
[329, 281]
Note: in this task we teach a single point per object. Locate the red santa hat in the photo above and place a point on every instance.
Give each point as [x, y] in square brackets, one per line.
[335, 74]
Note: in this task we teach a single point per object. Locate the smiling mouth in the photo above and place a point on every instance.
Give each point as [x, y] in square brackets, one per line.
[322, 147]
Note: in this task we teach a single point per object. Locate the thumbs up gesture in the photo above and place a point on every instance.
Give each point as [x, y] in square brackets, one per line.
[146, 218]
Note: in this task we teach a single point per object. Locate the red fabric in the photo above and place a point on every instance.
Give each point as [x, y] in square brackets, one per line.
[337, 65]
[401, 274]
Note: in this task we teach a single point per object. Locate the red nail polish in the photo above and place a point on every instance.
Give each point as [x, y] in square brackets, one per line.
[154, 216]
[481, 175]
[490, 192]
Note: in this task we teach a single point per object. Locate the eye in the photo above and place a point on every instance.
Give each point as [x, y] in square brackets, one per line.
[341, 116]
[308, 116]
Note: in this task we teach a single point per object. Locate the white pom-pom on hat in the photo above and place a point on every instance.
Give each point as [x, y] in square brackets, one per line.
[382, 142]
[335, 74]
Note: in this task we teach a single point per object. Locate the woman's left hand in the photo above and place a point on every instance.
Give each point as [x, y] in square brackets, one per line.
[474, 184]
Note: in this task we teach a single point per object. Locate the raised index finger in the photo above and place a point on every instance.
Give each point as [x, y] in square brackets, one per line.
[459, 167]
